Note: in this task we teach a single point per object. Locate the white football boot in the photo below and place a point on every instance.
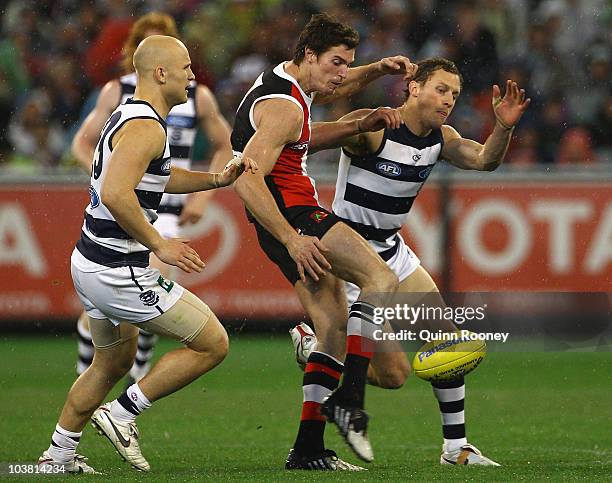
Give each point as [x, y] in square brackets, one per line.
[304, 341]
[47, 465]
[123, 436]
[466, 455]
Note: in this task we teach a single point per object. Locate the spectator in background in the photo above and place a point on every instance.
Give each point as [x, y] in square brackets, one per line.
[104, 55]
[473, 49]
[35, 138]
[552, 123]
[576, 147]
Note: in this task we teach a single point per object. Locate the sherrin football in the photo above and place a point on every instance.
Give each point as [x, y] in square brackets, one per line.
[446, 360]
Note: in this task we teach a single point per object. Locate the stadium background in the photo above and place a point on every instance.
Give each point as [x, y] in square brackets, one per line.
[541, 223]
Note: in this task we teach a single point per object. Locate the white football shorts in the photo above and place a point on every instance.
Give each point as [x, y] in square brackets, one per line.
[122, 294]
[403, 264]
[167, 225]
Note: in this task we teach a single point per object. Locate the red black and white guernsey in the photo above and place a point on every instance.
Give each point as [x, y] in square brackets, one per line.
[288, 181]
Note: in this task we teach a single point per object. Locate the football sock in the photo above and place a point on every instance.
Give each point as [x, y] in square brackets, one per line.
[321, 377]
[359, 351]
[129, 405]
[85, 346]
[63, 444]
[146, 343]
[451, 398]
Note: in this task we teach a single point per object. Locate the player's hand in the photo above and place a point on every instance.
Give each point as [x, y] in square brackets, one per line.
[176, 252]
[381, 118]
[306, 252]
[194, 208]
[509, 109]
[234, 168]
[398, 65]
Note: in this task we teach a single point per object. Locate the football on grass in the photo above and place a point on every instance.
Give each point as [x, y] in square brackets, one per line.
[447, 360]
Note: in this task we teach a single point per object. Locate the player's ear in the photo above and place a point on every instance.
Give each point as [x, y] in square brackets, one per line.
[160, 74]
[414, 87]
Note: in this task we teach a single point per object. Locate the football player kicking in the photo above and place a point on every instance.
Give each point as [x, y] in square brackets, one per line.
[379, 177]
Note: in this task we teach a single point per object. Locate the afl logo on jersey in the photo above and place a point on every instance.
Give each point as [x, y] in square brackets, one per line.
[424, 173]
[166, 166]
[93, 197]
[388, 168]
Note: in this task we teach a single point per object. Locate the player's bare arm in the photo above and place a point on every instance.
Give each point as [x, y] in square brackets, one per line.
[126, 168]
[278, 122]
[359, 132]
[469, 154]
[359, 77]
[86, 138]
[217, 130]
[185, 181]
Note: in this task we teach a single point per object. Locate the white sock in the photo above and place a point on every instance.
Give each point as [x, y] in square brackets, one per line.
[63, 444]
[130, 404]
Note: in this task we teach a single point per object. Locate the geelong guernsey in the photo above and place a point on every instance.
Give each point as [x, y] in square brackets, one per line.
[182, 124]
[102, 240]
[374, 193]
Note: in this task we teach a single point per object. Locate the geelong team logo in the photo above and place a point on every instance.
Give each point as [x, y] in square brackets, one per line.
[388, 168]
[166, 166]
[424, 173]
[93, 197]
[149, 298]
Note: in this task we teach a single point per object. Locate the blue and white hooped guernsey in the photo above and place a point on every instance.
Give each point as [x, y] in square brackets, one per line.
[102, 240]
[374, 193]
[182, 125]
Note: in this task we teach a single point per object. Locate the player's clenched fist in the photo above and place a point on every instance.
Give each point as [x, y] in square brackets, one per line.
[176, 251]
[306, 252]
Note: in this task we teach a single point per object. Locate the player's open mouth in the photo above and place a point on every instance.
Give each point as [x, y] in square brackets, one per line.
[442, 113]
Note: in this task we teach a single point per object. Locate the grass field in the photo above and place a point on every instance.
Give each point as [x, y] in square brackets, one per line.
[544, 416]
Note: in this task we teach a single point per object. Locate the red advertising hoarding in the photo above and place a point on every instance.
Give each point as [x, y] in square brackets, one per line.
[504, 236]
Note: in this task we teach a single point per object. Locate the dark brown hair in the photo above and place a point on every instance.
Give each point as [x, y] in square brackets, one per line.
[427, 68]
[161, 22]
[321, 34]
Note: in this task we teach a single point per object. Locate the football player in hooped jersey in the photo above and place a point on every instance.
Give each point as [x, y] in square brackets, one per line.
[313, 249]
[110, 265]
[380, 175]
[175, 211]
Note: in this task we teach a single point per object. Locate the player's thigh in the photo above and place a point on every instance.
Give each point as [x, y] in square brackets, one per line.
[325, 304]
[351, 257]
[420, 290]
[185, 321]
[115, 345]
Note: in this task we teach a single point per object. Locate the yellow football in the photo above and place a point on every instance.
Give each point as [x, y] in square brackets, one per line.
[446, 360]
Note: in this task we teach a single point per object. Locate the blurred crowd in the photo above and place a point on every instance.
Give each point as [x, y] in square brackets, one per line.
[56, 54]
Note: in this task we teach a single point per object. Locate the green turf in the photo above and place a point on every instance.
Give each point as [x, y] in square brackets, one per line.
[542, 415]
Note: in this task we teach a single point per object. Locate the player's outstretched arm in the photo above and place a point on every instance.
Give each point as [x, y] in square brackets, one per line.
[352, 130]
[185, 181]
[278, 122]
[86, 138]
[468, 154]
[217, 130]
[359, 77]
[134, 146]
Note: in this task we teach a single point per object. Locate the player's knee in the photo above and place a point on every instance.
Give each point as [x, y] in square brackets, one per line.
[395, 377]
[212, 343]
[385, 281]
